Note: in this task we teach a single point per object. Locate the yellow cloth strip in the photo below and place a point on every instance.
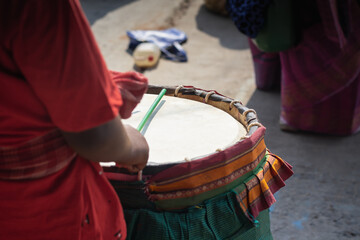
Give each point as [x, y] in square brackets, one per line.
[259, 189]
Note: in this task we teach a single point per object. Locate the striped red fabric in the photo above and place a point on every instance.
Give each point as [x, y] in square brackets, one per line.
[246, 168]
[36, 158]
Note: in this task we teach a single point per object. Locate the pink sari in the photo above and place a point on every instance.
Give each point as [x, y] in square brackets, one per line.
[320, 78]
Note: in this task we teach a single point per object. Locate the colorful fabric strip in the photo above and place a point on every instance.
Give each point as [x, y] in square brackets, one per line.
[186, 198]
[230, 160]
[255, 190]
[256, 193]
[37, 158]
[251, 171]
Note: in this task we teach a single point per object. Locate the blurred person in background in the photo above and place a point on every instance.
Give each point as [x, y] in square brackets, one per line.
[311, 50]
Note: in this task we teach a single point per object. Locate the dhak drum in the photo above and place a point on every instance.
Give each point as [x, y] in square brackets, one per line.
[173, 127]
[209, 174]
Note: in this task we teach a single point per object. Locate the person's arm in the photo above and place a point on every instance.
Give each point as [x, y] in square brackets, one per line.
[111, 142]
[57, 54]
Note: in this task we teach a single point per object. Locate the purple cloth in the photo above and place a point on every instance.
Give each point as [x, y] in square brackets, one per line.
[267, 68]
[320, 84]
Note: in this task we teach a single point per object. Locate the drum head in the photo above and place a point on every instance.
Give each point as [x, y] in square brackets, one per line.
[181, 129]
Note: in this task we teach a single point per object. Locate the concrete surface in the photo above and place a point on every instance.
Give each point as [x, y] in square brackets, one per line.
[321, 201]
[218, 60]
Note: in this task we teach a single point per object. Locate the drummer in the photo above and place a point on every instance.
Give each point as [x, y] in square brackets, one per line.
[53, 76]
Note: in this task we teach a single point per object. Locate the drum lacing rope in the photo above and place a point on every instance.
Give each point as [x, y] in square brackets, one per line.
[248, 129]
[177, 90]
[208, 95]
[233, 103]
[248, 111]
[253, 124]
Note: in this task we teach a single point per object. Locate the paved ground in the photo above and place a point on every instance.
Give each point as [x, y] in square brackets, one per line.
[218, 60]
[321, 201]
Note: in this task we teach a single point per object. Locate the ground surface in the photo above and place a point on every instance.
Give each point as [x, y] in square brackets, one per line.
[322, 200]
[217, 59]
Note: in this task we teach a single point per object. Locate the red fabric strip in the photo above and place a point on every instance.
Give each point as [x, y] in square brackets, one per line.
[199, 164]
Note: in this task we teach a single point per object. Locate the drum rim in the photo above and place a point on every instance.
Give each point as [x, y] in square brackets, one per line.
[244, 115]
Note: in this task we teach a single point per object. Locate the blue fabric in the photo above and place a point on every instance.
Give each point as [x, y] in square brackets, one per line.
[169, 41]
[248, 15]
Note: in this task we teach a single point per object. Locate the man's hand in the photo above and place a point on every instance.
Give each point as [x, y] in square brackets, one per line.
[111, 142]
[140, 150]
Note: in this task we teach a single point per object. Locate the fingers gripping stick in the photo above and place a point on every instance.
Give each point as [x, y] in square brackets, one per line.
[146, 117]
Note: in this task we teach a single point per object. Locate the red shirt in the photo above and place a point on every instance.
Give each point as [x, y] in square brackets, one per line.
[51, 71]
[52, 75]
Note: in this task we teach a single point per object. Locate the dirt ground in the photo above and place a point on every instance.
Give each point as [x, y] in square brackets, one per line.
[321, 201]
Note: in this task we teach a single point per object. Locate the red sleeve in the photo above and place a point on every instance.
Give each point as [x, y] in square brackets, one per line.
[60, 60]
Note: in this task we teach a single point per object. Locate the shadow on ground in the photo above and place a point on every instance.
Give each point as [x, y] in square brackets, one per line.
[321, 201]
[103, 7]
[222, 28]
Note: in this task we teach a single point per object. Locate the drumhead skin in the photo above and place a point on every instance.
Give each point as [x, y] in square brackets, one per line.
[181, 129]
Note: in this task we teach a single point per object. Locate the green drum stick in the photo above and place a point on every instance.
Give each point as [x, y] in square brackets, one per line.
[151, 109]
[146, 117]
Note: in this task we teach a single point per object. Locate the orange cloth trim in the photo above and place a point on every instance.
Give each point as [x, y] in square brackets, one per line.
[254, 192]
[207, 175]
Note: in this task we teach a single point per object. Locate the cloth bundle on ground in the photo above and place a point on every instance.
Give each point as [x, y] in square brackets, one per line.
[169, 41]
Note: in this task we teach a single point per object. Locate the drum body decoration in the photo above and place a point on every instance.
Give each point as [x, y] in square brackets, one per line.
[224, 194]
